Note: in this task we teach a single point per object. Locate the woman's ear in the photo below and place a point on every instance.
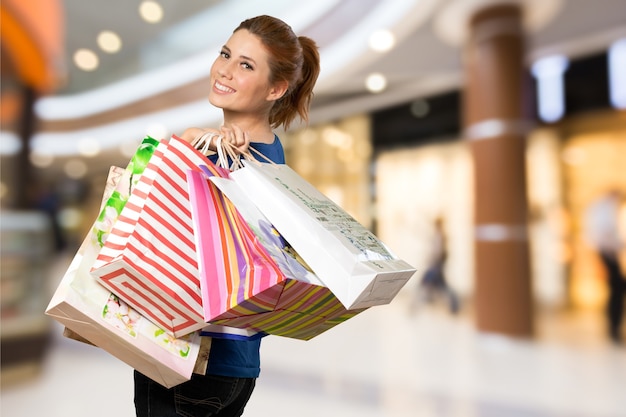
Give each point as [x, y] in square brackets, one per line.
[277, 91]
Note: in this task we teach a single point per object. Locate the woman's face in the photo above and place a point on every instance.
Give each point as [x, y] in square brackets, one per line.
[240, 76]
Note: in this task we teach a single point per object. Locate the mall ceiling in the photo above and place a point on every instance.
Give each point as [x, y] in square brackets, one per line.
[160, 72]
[426, 56]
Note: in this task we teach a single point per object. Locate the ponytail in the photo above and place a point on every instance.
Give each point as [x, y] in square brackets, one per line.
[297, 100]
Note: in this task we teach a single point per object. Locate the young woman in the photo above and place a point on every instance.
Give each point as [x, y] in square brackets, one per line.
[263, 78]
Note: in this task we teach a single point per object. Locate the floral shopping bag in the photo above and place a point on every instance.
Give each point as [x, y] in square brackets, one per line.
[92, 312]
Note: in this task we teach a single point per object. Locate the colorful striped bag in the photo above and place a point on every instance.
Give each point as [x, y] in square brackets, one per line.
[250, 277]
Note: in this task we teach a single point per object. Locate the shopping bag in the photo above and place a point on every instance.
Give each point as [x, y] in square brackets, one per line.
[149, 260]
[350, 260]
[245, 274]
[119, 183]
[249, 275]
[91, 312]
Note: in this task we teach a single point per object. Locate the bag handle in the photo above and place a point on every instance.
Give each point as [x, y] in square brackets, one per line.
[225, 149]
[260, 154]
[236, 156]
[203, 140]
[202, 143]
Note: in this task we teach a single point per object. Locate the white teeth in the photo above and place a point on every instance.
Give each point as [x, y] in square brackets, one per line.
[223, 88]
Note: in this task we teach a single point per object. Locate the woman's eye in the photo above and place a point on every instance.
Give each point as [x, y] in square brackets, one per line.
[246, 65]
[224, 54]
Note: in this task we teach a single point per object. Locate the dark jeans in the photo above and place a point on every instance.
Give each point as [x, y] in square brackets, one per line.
[210, 395]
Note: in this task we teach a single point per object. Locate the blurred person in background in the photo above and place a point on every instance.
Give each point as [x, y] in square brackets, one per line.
[262, 79]
[606, 235]
[434, 284]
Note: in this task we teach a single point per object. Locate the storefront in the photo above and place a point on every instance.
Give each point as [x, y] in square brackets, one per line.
[400, 169]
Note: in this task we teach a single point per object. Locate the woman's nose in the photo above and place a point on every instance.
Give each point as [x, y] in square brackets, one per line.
[225, 70]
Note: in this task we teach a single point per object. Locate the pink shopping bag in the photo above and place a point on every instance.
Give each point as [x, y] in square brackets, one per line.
[248, 277]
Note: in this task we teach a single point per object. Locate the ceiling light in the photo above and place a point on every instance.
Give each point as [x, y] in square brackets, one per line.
[550, 90]
[382, 41]
[151, 11]
[41, 160]
[86, 59]
[109, 41]
[75, 169]
[88, 147]
[376, 82]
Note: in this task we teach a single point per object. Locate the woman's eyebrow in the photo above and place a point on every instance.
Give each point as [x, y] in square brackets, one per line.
[247, 58]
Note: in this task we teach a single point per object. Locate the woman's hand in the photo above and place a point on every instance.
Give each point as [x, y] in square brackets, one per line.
[236, 137]
[233, 135]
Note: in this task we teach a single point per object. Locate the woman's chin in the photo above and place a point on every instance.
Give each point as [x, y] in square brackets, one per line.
[215, 101]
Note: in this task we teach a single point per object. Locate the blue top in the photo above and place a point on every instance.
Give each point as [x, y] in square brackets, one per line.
[273, 151]
[241, 358]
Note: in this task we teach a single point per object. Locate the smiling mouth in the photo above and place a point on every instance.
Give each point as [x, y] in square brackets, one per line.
[223, 88]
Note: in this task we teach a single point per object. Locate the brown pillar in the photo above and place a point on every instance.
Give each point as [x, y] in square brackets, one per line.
[495, 127]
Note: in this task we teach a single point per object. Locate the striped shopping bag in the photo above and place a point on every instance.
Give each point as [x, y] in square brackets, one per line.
[149, 260]
[250, 278]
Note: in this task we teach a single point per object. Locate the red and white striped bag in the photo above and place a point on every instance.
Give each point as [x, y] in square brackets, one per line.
[149, 259]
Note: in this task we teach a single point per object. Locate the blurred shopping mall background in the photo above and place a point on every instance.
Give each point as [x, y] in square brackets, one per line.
[501, 120]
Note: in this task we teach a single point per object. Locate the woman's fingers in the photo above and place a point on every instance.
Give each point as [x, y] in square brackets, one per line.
[246, 143]
[226, 134]
[241, 139]
[236, 137]
[207, 137]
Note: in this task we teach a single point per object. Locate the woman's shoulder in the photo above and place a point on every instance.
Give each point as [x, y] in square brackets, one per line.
[273, 151]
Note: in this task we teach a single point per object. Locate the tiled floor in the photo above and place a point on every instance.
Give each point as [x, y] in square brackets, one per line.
[387, 362]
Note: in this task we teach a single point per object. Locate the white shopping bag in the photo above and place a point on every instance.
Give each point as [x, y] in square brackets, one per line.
[349, 259]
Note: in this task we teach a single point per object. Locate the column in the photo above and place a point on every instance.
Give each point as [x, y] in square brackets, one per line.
[495, 126]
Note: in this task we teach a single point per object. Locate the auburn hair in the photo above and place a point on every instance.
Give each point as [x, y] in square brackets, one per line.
[294, 59]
